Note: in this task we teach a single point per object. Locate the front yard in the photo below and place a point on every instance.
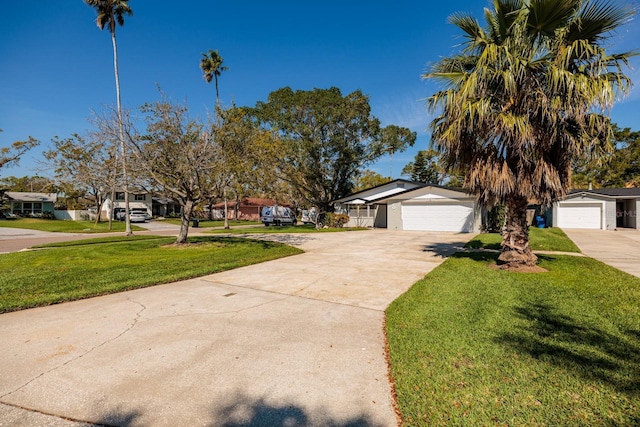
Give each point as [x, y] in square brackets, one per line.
[473, 345]
[81, 269]
[62, 226]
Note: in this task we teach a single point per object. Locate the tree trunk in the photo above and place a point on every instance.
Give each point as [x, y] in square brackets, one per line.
[515, 235]
[187, 208]
[127, 220]
[226, 210]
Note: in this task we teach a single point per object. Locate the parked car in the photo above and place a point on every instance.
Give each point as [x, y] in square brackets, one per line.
[137, 217]
[277, 215]
[143, 212]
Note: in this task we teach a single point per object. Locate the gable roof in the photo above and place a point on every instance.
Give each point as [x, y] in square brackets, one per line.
[369, 195]
[423, 188]
[20, 196]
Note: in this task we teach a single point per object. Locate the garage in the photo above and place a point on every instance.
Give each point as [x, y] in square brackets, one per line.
[457, 217]
[580, 215]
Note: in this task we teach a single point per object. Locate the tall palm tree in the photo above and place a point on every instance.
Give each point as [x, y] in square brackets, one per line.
[527, 95]
[110, 14]
[212, 68]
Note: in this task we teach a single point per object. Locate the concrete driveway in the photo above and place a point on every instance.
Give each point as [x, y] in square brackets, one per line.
[292, 342]
[620, 249]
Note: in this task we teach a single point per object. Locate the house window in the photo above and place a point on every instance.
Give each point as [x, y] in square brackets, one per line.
[27, 207]
[37, 207]
[119, 196]
[139, 197]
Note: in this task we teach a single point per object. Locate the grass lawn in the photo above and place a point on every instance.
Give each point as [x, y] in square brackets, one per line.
[472, 345]
[207, 223]
[541, 239]
[88, 268]
[61, 226]
[307, 228]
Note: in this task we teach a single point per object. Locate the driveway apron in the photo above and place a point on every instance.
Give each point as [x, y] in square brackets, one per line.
[619, 249]
[295, 341]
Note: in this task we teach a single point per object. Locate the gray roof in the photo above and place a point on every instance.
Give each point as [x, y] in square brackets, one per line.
[20, 196]
[612, 192]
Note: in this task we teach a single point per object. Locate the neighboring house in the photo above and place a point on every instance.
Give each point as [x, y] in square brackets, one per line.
[363, 208]
[136, 201]
[408, 205]
[31, 204]
[599, 209]
[162, 207]
[249, 208]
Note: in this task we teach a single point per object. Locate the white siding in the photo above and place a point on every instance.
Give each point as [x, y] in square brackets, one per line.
[457, 217]
[580, 215]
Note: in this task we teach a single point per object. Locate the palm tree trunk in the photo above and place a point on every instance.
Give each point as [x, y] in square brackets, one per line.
[125, 180]
[515, 235]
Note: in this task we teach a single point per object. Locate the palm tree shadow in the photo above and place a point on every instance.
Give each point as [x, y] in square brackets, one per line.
[244, 411]
[583, 348]
[444, 249]
[118, 417]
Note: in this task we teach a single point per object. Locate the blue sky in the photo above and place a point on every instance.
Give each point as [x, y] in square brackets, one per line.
[56, 66]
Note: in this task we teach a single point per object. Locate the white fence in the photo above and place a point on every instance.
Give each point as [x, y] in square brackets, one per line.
[74, 215]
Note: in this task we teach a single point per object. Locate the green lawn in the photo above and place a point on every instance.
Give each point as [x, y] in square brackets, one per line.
[471, 345]
[61, 226]
[541, 239]
[308, 228]
[214, 223]
[70, 271]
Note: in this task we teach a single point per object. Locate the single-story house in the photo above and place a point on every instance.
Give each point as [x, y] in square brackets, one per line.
[409, 205]
[163, 206]
[599, 209]
[249, 208]
[30, 204]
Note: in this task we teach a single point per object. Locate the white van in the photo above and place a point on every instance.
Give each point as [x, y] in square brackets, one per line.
[277, 215]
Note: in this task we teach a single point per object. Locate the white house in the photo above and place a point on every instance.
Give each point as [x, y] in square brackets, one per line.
[599, 209]
[408, 205]
[137, 201]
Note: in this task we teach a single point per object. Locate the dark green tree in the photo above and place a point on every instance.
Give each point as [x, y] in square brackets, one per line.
[323, 139]
[620, 168]
[424, 168]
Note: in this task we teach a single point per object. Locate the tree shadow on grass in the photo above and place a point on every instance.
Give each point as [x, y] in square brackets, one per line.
[585, 349]
[265, 240]
[481, 256]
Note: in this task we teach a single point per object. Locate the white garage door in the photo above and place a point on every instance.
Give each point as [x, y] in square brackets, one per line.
[580, 215]
[438, 217]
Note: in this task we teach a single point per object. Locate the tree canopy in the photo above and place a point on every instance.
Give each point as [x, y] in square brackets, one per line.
[322, 140]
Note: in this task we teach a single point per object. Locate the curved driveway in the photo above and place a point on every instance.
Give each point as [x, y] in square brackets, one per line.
[295, 341]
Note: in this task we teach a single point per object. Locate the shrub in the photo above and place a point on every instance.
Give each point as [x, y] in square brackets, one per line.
[335, 220]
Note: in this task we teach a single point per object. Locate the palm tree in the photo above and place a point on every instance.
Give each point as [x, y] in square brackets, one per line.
[526, 96]
[212, 68]
[110, 13]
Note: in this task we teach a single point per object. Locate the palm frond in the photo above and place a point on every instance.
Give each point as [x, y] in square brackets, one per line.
[597, 18]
